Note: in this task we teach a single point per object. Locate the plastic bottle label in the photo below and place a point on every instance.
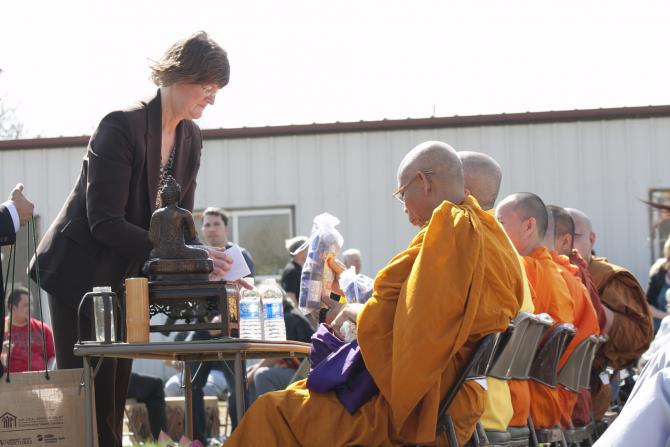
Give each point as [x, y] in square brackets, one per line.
[273, 311]
[249, 310]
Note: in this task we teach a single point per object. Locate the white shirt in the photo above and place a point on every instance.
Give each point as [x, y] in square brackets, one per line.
[15, 215]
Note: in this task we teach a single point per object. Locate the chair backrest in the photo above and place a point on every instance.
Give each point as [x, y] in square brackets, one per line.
[585, 376]
[545, 365]
[570, 375]
[476, 368]
[517, 346]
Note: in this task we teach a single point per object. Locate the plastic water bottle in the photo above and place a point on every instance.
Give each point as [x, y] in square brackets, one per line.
[274, 327]
[251, 313]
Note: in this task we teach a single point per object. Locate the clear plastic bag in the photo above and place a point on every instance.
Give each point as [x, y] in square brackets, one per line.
[317, 278]
[356, 288]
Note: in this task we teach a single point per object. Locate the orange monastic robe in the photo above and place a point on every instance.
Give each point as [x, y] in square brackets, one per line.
[585, 322]
[456, 282]
[552, 297]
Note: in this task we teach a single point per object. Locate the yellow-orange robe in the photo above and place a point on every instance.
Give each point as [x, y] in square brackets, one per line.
[552, 297]
[585, 322]
[456, 282]
[499, 411]
[632, 329]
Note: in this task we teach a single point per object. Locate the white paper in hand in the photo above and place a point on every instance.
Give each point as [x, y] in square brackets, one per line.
[239, 269]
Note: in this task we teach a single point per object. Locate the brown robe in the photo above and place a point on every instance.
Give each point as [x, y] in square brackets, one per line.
[632, 330]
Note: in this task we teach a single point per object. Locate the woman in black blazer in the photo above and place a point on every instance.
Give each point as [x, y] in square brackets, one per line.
[101, 234]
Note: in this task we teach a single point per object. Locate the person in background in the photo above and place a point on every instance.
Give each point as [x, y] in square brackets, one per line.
[21, 350]
[630, 325]
[659, 284]
[149, 391]
[276, 374]
[352, 258]
[14, 212]
[290, 277]
[215, 232]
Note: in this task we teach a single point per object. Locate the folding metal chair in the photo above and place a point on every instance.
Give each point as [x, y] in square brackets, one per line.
[575, 375]
[545, 371]
[475, 369]
[512, 360]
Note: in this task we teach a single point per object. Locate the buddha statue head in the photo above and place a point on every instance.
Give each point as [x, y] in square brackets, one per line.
[171, 192]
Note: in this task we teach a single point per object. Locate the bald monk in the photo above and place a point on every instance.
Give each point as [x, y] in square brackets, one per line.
[525, 219]
[456, 282]
[631, 329]
[483, 176]
[586, 319]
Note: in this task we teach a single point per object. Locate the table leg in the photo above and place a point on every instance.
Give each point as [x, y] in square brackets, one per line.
[88, 398]
[188, 403]
[240, 379]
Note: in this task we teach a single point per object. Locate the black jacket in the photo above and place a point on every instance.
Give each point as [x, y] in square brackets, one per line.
[655, 285]
[100, 236]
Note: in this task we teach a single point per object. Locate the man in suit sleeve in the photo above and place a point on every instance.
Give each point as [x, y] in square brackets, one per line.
[13, 213]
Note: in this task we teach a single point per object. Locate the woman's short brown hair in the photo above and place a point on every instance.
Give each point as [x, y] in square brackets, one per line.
[198, 59]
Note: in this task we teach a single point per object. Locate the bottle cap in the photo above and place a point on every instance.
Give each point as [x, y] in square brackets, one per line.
[102, 289]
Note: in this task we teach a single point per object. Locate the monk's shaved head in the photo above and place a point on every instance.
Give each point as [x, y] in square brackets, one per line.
[580, 218]
[585, 238]
[525, 219]
[428, 175]
[483, 176]
[564, 229]
[528, 205]
[441, 161]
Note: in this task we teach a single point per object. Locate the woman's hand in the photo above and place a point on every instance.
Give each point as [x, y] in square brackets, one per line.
[222, 262]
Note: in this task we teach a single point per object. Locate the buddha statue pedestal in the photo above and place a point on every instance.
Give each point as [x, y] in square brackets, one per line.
[195, 303]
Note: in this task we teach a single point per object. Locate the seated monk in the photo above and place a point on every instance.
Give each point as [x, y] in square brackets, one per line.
[483, 176]
[525, 218]
[586, 319]
[456, 282]
[630, 329]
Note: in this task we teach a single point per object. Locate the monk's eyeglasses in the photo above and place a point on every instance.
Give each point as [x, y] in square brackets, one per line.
[400, 192]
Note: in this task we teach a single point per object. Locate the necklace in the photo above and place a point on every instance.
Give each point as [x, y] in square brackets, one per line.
[163, 173]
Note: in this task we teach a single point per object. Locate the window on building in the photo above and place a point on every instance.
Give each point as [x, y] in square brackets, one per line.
[659, 221]
[262, 231]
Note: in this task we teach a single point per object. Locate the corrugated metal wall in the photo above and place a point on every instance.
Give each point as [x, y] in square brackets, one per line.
[601, 167]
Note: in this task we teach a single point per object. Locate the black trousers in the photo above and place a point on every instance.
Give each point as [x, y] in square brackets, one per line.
[149, 390]
[199, 373]
[111, 382]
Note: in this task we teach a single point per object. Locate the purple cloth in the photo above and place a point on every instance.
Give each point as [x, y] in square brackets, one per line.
[339, 366]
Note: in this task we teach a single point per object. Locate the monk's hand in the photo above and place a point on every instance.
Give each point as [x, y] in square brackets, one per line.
[222, 262]
[24, 207]
[348, 313]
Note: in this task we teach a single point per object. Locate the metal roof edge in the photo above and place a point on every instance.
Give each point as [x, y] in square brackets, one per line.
[382, 125]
